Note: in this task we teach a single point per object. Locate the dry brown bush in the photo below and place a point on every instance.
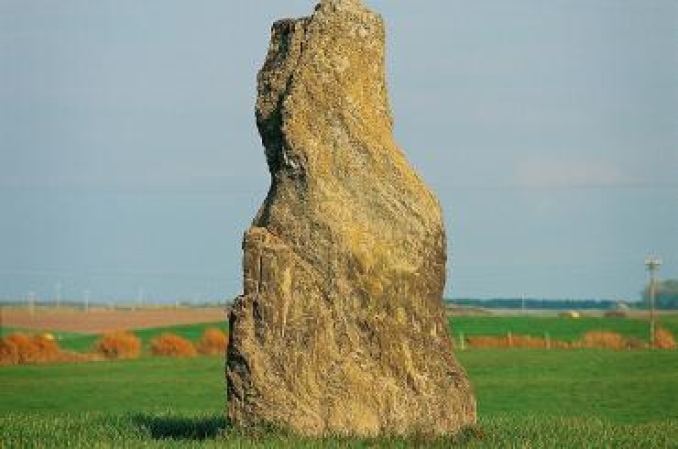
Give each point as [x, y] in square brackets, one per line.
[604, 340]
[663, 339]
[9, 354]
[559, 344]
[170, 345]
[47, 348]
[23, 349]
[486, 342]
[635, 343]
[213, 342]
[570, 314]
[525, 341]
[515, 341]
[118, 345]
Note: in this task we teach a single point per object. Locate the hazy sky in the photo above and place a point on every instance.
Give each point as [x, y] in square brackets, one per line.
[129, 157]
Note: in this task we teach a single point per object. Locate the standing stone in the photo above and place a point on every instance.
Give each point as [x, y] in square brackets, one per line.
[341, 328]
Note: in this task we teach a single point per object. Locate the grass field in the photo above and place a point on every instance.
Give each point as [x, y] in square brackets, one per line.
[534, 398]
[527, 398]
[564, 329]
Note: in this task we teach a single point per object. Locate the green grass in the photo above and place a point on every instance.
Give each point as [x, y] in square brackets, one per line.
[557, 328]
[150, 384]
[527, 398]
[620, 386]
[565, 329]
[532, 398]
[187, 430]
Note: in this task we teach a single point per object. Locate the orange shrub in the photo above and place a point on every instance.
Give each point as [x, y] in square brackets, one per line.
[170, 345]
[9, 354]
[47, 348]
[118, 345]
[603, 339]
[558, 344]
[23, 349]
[663, 339]
[524, 341]
[485, 342]
[515, 341]
[213, 342]
[635, 343]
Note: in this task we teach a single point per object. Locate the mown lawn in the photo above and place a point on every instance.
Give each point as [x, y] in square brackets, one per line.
[527, 398]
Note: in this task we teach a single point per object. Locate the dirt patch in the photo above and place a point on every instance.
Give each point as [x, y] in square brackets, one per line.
[100, 320]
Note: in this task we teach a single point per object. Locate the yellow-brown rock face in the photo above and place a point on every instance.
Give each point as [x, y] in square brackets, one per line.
[340, 329]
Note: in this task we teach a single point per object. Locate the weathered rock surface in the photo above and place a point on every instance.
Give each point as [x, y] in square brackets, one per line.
[341, 328]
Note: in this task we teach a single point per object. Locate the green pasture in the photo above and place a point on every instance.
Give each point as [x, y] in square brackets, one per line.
[527, 398]
[565, 329]
[623, 386]
[557, 328]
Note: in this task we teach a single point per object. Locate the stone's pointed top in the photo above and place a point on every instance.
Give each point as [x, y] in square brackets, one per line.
[342, 5]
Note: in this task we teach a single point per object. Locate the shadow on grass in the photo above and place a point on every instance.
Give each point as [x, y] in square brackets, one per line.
[215, 427]
[173, 427]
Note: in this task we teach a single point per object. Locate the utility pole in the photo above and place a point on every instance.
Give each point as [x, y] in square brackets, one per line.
[31, 303]
[57, 296]
[86, 300]
[140, 298]
[652, 263]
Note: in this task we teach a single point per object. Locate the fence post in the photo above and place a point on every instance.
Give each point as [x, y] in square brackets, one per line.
[547, 337]
[462, 341]
[510, 339]
[31, 303]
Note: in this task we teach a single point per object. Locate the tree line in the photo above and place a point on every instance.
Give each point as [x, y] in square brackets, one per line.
[666, 298]
[666, 295]
[531, 303]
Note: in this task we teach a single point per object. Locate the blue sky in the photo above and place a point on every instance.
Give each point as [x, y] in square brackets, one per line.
[129, 158]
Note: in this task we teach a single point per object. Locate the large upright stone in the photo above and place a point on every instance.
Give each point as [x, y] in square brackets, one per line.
[341, 327]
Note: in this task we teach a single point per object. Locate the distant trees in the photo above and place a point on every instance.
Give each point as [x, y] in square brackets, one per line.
[532, 303]
[666, 295]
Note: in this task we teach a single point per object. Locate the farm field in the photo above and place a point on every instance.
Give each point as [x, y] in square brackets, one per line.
[534, 398]
[527, 397]
[565, 329]
[77, 330]
[105, 320]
